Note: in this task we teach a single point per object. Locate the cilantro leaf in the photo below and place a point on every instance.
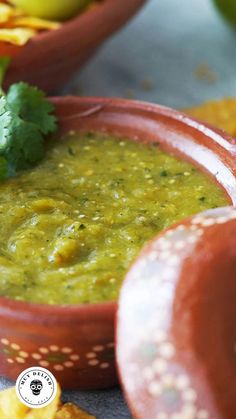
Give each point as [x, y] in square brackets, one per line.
[26, 117]
[5, 122]
[21, 142]
[30, 104]
[24, 146]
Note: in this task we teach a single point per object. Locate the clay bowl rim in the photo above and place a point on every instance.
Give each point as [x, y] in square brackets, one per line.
[73, 22]
[85, 312]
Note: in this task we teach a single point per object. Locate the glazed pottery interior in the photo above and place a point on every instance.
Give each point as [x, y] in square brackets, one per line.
[77, 342]
[54, 56]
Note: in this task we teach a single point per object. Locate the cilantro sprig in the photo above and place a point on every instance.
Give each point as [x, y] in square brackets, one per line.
[26, 118]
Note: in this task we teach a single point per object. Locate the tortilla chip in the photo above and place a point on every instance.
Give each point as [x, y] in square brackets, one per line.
[33, 23]
[10, 405]
[5, 12]
[17, 36]
[12, 408]
[48, 412]
[17, 29]
[221, 113]
[70, 411]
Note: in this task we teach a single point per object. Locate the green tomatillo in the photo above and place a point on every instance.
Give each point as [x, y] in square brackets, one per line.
[51, 9]
[227, 9]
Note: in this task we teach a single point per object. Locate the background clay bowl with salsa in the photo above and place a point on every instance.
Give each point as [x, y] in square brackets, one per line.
[54, 56]
[77, 342]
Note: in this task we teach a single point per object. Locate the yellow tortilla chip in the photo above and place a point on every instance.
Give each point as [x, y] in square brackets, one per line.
[12, 408]
[70, 411]
[7, 12]
[34, 23]
[17, 29]
[17, 36]
[48, 412]
[10, 405]
[220, 113]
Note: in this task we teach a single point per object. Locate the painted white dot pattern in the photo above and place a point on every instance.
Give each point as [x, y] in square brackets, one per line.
[161, 384]
[66, 350]
[167, 350]
[23, 354]
[44, 350]
[91, 355]
[15, 346]
[36, 356]
[20, 360]
[43, 356]
[164, 378]
[5, 341]
[59, 358]
[68, 364]
[74, 357]
[93, 362]
[44, 363]
[54, 348]
[95, 357]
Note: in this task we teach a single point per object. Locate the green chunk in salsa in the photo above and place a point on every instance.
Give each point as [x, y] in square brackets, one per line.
[70, 228]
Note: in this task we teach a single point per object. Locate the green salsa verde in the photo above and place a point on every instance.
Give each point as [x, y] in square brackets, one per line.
[70, 228]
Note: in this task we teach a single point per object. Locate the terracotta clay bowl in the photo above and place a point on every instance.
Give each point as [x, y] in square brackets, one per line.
[52, 57]
[77, 342]
[180, 361]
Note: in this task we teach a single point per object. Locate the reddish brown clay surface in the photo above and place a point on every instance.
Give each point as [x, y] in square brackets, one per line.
[176, 322]
[77, 342]
[52, 57]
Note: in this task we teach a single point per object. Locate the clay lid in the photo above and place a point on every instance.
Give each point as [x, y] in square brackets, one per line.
[176, 322]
